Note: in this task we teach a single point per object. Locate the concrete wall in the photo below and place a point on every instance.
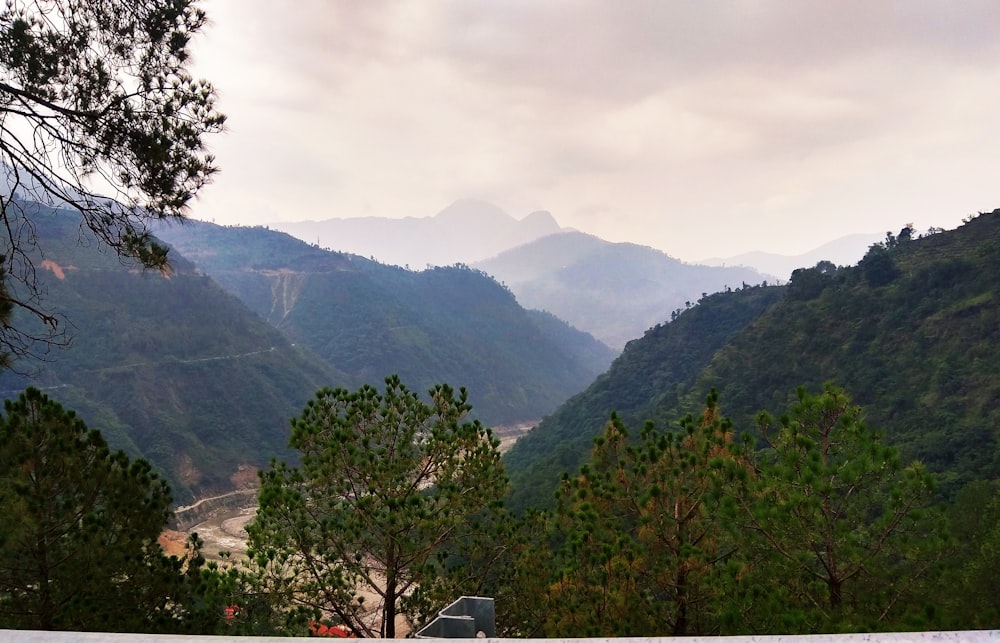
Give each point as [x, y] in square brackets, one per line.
[11, 636]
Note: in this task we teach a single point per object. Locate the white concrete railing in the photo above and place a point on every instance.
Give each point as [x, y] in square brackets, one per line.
[967, 636]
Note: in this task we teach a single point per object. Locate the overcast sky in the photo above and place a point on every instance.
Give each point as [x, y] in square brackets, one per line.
[700, 128]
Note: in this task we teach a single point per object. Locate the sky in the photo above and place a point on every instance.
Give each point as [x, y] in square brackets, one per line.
[701, 128]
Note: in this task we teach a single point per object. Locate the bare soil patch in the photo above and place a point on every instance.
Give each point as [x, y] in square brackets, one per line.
[224, 531]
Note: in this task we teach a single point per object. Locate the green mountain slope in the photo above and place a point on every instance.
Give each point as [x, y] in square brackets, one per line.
[172, 369]
[666, 358]
[453, 325]
[912, 332]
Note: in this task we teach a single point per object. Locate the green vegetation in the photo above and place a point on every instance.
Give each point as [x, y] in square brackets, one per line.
[971, 599]
[694, 532]
[178, 371]
[830, 510]
[913, 332]
[78, 548]
[387, 484]
[667, 358]
[920, 350]
[6, 308]
[398, 502]
[643, 545]
[173, 369]
[367, 319]
[96, 99]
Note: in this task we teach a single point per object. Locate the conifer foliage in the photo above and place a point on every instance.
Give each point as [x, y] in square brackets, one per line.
[387, 483]
[818, 527]
[832, 512]
[78, 546]
[98, 112]
[644, 552]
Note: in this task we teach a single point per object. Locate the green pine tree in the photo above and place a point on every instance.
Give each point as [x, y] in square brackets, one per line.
[100, 114]
[837, 532]
[78, 549]
[645, 553]
[387, 483]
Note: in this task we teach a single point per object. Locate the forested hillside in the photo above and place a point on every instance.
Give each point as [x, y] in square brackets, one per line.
[912, 333]
[454, 325]
[667, 357]
[171, 368]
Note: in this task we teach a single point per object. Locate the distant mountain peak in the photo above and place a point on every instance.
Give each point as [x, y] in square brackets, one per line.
[468, 230]
[844, 251]
[541, 222]
[470, 210]
[614, 291]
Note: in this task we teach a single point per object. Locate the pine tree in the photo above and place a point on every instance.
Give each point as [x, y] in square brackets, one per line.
[645, 553]
[78, 549]
[387, 482]
[98, 114]
[833, 522]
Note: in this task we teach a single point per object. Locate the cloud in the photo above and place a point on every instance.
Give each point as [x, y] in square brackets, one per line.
[636, 120]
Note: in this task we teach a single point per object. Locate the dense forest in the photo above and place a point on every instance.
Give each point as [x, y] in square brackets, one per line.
[667, 357]
[172, 369]
[441, 324]
[911, 332]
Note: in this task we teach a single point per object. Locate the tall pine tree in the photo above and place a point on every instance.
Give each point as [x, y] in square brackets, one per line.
[387, 483]
[78, 550]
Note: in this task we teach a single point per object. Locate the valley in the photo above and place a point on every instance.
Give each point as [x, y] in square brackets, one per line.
[220, 520]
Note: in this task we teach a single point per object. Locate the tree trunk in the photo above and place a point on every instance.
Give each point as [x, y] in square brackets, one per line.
[681, 622]
[836, 597]
[389, 609]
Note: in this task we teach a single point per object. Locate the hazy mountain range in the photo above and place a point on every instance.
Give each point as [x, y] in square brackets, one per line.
[464, 232]
[614, 291]
[845, 251]
[471, 231]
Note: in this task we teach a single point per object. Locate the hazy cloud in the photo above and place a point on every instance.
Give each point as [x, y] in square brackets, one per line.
[639, 121]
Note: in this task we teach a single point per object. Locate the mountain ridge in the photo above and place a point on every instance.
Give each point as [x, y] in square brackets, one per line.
[615, 291]
[443, 324]
[463, 232]
[912, 332]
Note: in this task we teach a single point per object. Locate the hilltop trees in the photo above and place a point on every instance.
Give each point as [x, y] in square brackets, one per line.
[78, 547]
[388, 486]
[99, 113]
